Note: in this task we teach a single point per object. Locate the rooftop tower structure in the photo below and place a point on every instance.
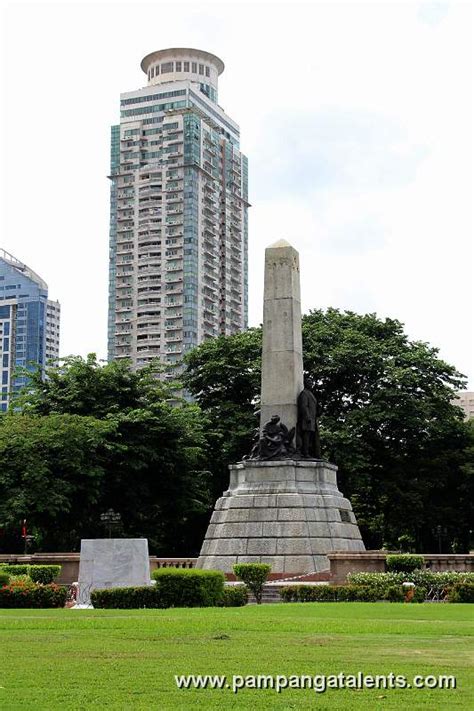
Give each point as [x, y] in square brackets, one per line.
[178, 214]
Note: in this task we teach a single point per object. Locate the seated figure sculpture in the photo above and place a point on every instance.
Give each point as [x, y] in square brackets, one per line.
[275, 442]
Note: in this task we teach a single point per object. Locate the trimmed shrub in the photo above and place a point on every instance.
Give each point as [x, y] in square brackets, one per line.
[43, 573]
[234, 596]
[189, 587]
[38, 573]
[419, 594]
[404, 563]
[435, 583]
[316, 593]
[15, 569]
[254, 576]
[289, 593]
[328, 593]
[394, 593]
[4, 578]
[30, 595]
[174, 587]
[462, 592]
[21, 579]
[356, 593]
[127, 598]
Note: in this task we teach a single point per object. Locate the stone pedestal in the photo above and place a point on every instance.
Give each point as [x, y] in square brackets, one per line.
[112, 563]
[289, 514]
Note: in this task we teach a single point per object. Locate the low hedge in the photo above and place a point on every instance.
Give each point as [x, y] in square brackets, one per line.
[462, 592]
[404, 563]
[434, 582]
[43, 573]
[38, 573]
[4, 578]
[30, 595]
[328, 593]
[234, 596]
[127, 598]
[174, 587]
[189, 587]
[393, 593]
[15, 569]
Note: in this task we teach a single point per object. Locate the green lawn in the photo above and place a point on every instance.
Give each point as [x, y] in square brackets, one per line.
[81, 659]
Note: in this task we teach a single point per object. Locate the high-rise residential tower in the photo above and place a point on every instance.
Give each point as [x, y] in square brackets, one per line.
[29, 324]
[178, 213]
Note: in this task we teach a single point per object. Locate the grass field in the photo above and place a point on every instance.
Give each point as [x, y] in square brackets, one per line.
[81, 659]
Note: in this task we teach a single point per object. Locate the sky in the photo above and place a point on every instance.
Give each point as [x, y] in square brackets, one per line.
[356, 118]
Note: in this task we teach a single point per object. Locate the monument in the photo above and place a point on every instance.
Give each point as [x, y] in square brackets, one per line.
[112, 563]
[283, 505]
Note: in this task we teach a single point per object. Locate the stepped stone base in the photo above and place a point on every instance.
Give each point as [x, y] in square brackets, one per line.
[289, 514]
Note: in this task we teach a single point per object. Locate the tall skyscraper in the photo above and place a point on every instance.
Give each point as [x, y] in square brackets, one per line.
[178, 213]
[29, 324]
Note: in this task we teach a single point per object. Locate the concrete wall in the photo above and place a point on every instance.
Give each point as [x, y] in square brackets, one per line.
[340, 563]
[69, 563]
[374, 562]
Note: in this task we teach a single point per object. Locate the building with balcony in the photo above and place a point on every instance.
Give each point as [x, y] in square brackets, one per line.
[178, 214]
[465, 400]
[29, 325]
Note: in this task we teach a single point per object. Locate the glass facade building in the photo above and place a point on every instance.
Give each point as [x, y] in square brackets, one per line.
[29, 324]
[178, 214]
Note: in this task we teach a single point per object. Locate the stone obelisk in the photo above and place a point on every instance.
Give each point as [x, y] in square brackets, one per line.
[282, 348]
[280, 508]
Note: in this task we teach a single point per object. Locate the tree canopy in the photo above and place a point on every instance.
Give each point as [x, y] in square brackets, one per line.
[388, 421]
[93, 437]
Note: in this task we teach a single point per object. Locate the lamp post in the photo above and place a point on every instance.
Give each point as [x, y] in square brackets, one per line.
[111, 519]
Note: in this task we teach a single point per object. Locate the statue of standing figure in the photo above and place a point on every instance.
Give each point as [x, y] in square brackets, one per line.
[307, 426]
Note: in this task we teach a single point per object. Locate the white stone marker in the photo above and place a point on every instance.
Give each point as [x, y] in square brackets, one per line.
[112, 563]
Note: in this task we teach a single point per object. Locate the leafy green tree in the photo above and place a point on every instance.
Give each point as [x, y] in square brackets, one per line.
[51, 473]
[224, 375]
[86, 386]
[254, 575]
[387, 420]
[147, 463]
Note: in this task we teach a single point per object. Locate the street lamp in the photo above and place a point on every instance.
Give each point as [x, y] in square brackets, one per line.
[110, 519]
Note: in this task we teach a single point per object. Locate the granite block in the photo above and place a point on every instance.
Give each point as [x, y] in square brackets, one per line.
[112, 563]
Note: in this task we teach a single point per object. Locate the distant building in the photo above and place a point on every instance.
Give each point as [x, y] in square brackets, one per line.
[29, 324]
[465, 400]
[178, 213]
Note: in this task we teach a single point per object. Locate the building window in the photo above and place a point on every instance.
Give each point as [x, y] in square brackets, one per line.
[194, 67]
[208, 73]
[178, 66]
[152, 72]
[167, 67]
[201, 69]
[157, 70]
[186, 66]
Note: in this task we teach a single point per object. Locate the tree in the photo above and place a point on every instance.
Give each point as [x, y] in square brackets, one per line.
[388, 420]
[147, 463]
[88, 387]
[254, 576]
[224, 375]
[51, 473]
